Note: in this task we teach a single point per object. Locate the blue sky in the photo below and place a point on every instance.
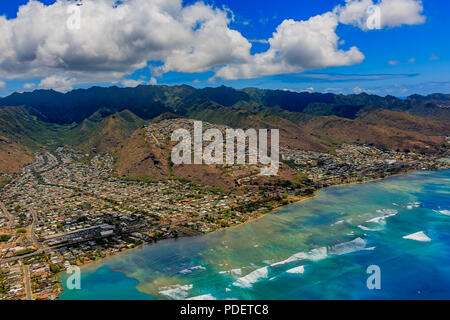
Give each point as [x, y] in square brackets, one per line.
[398, 60]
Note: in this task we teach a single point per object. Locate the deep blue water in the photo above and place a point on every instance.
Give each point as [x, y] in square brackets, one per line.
[332, 238]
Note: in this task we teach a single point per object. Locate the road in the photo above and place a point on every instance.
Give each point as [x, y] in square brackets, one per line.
[26, 275]
[33, 234]
[25, 255]
[156, 139]
[7, 215]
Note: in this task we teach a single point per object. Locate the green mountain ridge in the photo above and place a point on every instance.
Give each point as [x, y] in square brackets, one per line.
[103, 118]
[150, 101]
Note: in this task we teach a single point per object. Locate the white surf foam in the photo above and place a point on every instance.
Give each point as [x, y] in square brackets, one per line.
[366, 229]
[233, 272]
[338, 222]
[236, 272]
[357, 244]
[412, 205]
[387, 213]
[295, 257]
[317, 254]
[189, 270]
[313, 255]
[203, 297]
[198, 268]
[253, 277]
[177, 292]
[322, 253]
[185, 271]
[297, 270]
[418, 236]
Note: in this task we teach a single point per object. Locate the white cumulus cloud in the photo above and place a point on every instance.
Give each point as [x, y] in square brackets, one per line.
[295, 47]
[57, 83]
[28, 85]
[116, 38]
[393, 13]
[131, 83]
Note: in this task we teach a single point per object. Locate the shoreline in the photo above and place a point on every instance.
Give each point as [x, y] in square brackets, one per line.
[142, 246]
[315, 194]
[274, 210]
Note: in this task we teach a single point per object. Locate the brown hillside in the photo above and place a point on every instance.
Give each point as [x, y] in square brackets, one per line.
[405, 121]
[358, 131]
[142, 156]
[13, 157]
[138, 157]
[291, 134]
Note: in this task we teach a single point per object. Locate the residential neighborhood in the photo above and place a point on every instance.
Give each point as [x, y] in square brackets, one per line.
[70, 208]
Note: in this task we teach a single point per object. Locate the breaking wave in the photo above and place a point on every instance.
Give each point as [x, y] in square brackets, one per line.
[357, 244]
[253, 277]
[203, 297]
[387, 213]
[412, 205]
[297, 270]
[367, 229]
[233, 272]
[418, 236]
[177, 292]
[313, 255]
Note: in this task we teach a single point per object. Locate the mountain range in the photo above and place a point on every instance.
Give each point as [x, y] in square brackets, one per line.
[112, 119]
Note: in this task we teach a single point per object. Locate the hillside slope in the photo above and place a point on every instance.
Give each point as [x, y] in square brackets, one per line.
[108, 120]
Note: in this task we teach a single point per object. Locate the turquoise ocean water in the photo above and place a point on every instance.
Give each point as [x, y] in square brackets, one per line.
[318, 249]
